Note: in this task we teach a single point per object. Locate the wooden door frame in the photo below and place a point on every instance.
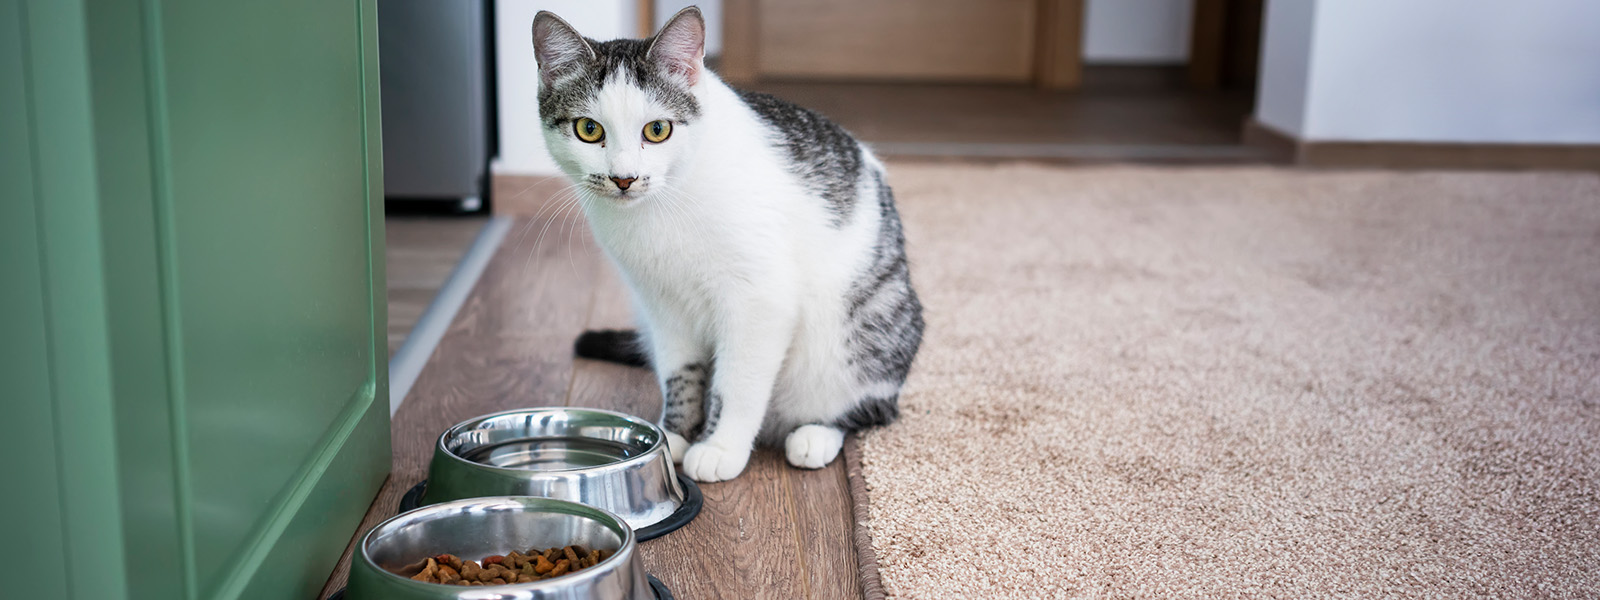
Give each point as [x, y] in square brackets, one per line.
[647, 17]
[740, 49]
[1207, 27]
[1216, 32]
[1058, 45]
[1057, 56]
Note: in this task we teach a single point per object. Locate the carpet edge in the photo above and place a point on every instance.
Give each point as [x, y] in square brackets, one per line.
[866, 559]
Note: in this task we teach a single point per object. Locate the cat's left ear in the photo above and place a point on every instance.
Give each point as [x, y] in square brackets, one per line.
[680, 47]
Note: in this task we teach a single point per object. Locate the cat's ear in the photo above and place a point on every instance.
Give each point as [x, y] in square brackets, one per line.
[558, 47]
[680, 47]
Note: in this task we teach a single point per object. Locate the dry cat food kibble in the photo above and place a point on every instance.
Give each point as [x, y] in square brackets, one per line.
[502, 570]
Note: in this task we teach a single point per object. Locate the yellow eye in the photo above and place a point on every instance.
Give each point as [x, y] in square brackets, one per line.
[588, 130]
[657, 131]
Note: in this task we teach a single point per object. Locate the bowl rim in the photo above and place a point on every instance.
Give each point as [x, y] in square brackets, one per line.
[649, 454]
[629, 543]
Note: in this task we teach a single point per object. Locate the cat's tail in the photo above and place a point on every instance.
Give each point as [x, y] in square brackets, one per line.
[621, 346]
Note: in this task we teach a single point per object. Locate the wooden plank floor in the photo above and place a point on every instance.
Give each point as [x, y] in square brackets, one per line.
[420, 252]
[774, 532]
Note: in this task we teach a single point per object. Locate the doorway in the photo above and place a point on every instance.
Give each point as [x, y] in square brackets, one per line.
[1010, 78]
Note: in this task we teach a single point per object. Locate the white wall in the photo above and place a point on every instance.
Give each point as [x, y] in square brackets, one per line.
[710, 9]
[1434, 71]
[1150, 32]
[1283, 85]
[1448, 70]
[522, 149]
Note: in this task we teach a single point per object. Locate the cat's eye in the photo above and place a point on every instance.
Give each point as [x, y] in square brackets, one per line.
[588, 130]
[656, 132]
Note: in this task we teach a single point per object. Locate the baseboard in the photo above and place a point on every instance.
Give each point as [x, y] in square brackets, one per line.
[1281, 146]
[1407, 155]
[1072, 153]
[407, 363]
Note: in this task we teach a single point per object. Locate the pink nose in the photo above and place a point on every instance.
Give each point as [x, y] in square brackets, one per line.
[623, 182]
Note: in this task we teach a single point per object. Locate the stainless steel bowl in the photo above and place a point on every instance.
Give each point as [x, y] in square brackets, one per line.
[479, 527]
[600, 458]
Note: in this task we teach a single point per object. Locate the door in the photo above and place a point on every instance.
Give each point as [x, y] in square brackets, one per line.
[998, 41]
[207, 203]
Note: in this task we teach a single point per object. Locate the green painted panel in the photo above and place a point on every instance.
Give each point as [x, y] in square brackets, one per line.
[134, 311]
[303, 552]
[191, 306]
[58, 84]
[30, 510]
[265, 228]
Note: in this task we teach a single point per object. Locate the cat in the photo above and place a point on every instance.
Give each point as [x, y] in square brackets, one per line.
[759, 241]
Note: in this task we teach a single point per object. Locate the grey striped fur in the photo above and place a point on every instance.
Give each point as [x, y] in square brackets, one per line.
[886, 316]
[883, 309]
[820, 152]
[684, 392]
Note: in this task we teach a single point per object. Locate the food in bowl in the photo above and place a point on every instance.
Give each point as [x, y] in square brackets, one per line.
[516, 567]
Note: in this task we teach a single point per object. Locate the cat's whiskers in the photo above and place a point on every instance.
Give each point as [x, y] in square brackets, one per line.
[576, 217]
[549, 209]
[669, 210]
[533, 222]
[564, 202]
[523, 235]
[679, 201]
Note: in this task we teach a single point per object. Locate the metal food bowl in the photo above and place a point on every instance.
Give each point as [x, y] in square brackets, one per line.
[479, 527]
[604, 459]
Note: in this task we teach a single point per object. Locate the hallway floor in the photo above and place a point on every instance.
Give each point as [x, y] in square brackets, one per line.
[780, 530]
[1119, 113]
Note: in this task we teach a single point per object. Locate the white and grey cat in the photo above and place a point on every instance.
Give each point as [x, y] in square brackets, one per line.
[760, 242]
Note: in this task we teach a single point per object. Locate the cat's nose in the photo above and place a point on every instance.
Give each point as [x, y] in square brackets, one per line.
[623, 182]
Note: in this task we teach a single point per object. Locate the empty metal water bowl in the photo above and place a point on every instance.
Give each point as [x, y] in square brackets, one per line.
[479, 527]
[600, 458]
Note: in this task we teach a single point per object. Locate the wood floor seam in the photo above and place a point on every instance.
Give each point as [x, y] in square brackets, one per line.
[588, 323]
[799, 543]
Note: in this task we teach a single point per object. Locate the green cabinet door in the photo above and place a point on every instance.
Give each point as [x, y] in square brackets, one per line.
[191, 294]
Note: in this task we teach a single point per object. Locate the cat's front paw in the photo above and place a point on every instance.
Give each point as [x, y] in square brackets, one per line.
[813, 446]
[676, 446]
[707, 461]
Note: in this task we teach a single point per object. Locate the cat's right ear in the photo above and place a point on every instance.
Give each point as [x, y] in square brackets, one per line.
[558, 47]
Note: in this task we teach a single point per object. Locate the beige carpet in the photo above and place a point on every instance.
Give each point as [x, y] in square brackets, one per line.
[1251, 382]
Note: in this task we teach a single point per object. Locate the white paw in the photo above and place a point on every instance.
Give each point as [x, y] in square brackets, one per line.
[707, 461]
[676, 446]
[813, 446]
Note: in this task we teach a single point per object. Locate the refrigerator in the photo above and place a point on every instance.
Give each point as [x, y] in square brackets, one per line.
[436, 60]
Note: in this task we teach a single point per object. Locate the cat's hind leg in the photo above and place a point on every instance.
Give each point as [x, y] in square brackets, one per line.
[813, 446]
